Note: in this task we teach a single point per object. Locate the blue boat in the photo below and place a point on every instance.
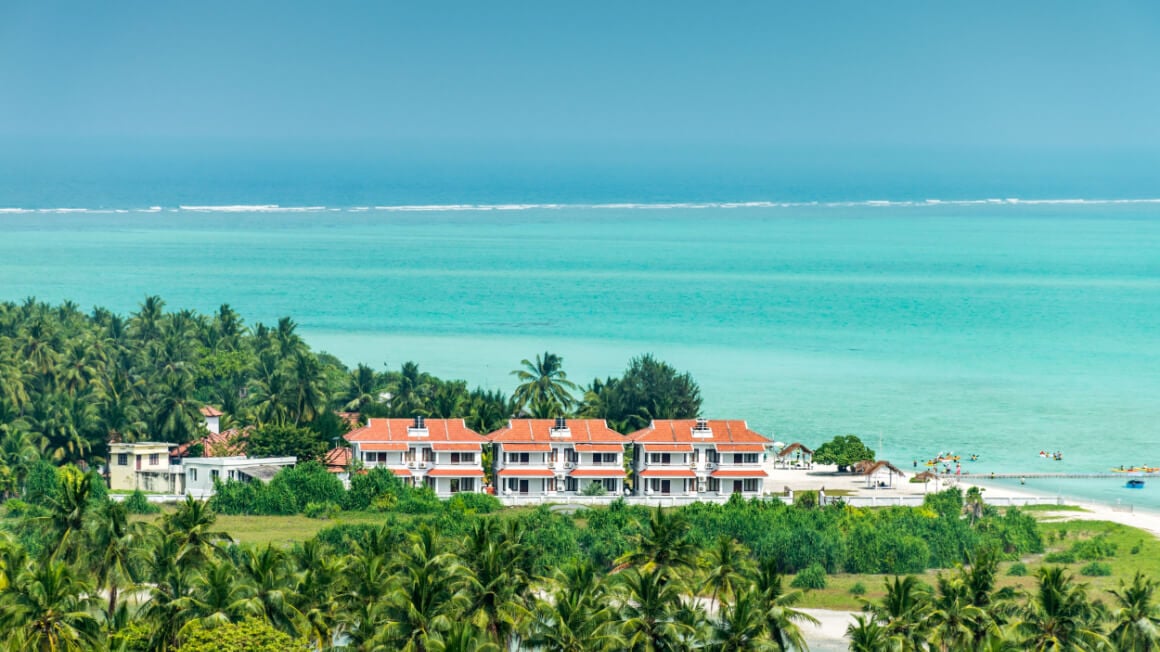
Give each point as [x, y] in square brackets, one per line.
[1135, 484]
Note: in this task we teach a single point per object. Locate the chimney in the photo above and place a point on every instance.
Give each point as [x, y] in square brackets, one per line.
[561, 423]
[420, 422]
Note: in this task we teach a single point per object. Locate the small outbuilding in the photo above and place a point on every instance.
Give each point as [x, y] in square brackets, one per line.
[881, 474]
[795, 456]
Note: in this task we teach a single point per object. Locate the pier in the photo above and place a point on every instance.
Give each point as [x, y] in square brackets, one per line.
[1055, 476]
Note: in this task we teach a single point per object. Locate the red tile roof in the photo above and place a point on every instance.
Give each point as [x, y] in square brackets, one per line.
[597, 448]
[455, 473]
[667, 473]
[525, 473]
[210, 411]
[597, 473]
[438, 430]
[222, 444]
[402, 473]
[382, 446]
[338, 459]
[668, 448]
[724, 431]
[465, 447]
[540, 430]
[527, 448]
[740, 448]
[739, 473]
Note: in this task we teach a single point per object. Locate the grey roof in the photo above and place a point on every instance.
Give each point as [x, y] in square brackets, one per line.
[263, 472]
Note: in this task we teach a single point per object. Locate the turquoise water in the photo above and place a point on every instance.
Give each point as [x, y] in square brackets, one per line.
[1000, 330]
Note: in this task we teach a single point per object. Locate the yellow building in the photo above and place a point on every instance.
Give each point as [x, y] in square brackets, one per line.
[143, 465]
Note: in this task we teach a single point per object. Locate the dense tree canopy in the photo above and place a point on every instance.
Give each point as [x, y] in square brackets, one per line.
[844, 451]
[649, 389]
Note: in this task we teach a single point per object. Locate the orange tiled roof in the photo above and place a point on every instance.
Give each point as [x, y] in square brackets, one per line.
[222, 444]
[588, 431]
[740, 448]
[455, 473]
[210, 411]
[739, 473]
[525, 473]
[338, 459]
[667, 473]
[598, 448]
[598, 473]
[464, 447]
[527, 448]
[382, 446]
[438, 430]
[725, 431]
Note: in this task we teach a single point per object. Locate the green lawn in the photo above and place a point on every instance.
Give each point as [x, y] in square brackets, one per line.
[281, 529]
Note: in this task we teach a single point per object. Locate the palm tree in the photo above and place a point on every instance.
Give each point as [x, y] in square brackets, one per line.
[68, 511]
[1058, 616]
[953, 619]
[272, 599]
[1135, 616]
[362, 388]
[112, 545]
[543, 383]
[427, 595]
[664, 546]
[47, 609]
[866, 635]
[177, 417]
[728, 565]
[17, 455]
[740, 625]
[576, 616]
[781, 619]
[498, 584]
[217, 596]
[409, 391]
[190, 526]
[648, 611]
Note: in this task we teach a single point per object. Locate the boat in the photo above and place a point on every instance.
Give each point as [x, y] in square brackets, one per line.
[1135, 483]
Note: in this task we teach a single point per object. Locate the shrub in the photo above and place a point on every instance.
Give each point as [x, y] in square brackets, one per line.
[234, 497]
[1096, 569]
[137, 503]
[246, 636]
[419, 501]
[1059, 558]
[1136, 549]
[1094, 549]
[310, 482]
[859, 589]
[475, 503]
[813, 577]
[594, 489]
[365, 487]
[1018, 569]
[275, 498]
[41, 483]
[806, 499]
[324, 510]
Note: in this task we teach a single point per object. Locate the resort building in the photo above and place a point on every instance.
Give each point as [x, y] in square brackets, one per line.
[200, 472]
[558, 457]
[443, 454]
[699, 458]
[143, 465]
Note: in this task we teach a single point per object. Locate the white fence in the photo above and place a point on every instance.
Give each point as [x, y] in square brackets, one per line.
[511, 500]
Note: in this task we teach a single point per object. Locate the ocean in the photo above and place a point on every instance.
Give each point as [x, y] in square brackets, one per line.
[995, 327]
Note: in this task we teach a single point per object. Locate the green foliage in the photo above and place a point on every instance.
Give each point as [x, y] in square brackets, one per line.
[858, 589]
[365, 487]
[1066, 557]
[812, 577]
[1096, 569]
[247, 636]
[42, 483]
[807, 499]
[649, 389]
[475, 503]
[137, 503]
[1018, 569]
[1094, 549]
[321, 510]
[286, 440]
[594, 489]
[844, 451]
[310, 482]
[234, 497]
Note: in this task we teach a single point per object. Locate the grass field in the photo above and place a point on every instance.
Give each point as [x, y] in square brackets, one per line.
[1059, 536]
[280, 529]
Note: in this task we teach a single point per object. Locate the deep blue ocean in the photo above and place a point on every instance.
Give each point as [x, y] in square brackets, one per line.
[999, 317]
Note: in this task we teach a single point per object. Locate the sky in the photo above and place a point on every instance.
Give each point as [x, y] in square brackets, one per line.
[658, 79]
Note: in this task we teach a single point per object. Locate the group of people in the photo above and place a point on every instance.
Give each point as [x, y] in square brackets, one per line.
[1057, 455]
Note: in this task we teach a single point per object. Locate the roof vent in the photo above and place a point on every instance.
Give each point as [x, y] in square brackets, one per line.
[560, 429]
[418, 427]
[701, 429]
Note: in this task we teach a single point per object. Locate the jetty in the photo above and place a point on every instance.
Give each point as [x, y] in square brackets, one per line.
[1056, 476]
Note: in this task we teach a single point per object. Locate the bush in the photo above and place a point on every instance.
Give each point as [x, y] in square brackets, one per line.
[1018, 569]
[365, 487]
[1059, 558]
[326, 510]
[233, 497]
[475, 503]
[806, 499]
[1096, 569]
[310, 482]
[859, 589]
[1136, 549]
[246, 636]
[137, 503]
[1094, 549]
[41, 483]
[419, 501]
[813, 577]
[594, 489]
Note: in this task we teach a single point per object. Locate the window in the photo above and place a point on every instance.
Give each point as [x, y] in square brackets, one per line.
[660, 458]
[715, 484]
[454, 485]
[214, 474]
[428, 455]
[713, 456]
[193, 474]
[696, 456]
[519, 458]
[375, 457]
[463, 458]
[555, 455]
[570, 484]
[604, 458]
[745, 458]
[570, 455]
[750, 485]
[610, 485]
[122, 459]
[154, 459]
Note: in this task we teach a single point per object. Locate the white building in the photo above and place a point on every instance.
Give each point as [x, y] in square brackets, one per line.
[699, 457]
[558, 457]
[200, 472]
[443, 454]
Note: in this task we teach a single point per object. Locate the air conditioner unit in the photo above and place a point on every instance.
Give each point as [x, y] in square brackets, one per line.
[422, 465]
[711, 465]
[568, 465]
[410, 465]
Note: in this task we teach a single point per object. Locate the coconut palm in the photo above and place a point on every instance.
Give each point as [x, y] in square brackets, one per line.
[782, 621]
[47, 609]
[903, 611]
[648, 614]
[498, 584]
[427, 595]
[740, 625]
[728, 565]
[1058, 615]
[68, 511]
[544, 383]
[111, 548]
[576, 615]
[363, 387]
[217, 596]
[664, 545]
[866, 635]
[1135, 616]
[953, 619]
[191, 528]
[272, 593]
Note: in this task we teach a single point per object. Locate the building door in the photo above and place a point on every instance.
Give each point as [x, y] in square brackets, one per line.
[138, 462]
[523, 486]
[736, 486]
[666, 487]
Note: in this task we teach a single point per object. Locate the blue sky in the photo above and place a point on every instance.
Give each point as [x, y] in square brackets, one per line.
[1024, 74]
